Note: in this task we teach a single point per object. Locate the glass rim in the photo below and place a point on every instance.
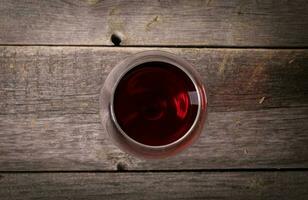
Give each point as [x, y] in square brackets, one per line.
[155, 56]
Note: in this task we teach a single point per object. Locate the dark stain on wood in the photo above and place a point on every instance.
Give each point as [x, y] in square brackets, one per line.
[121, 166]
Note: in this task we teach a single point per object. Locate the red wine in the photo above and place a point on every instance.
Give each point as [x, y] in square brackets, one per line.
[155, 103]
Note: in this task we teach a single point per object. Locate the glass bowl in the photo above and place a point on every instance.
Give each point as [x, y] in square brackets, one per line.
[109, 118]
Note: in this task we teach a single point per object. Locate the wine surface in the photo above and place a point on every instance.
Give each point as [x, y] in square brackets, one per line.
[155, 103]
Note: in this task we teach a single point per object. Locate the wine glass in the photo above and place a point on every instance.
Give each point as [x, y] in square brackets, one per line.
[153, 104]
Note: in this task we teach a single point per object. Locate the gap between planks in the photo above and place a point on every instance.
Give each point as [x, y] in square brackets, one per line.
[164, 171]
[163, 46]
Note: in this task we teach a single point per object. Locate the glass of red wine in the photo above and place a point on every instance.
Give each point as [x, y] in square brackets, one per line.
[153, 104]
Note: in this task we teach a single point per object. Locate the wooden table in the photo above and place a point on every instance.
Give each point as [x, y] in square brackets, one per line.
[55, 56]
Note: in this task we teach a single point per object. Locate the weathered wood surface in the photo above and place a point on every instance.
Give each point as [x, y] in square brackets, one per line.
[49, 110]
[198, 22]
[185, 185]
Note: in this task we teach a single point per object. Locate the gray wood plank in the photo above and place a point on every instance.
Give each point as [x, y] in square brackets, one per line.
[185, 185]
[49, 110]
[198, 22]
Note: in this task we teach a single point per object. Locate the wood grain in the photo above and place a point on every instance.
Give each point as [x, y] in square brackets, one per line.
[167, 22]
[49, 110]
[185, 185]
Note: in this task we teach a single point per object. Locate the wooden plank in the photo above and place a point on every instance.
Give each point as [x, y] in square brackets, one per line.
[67, 79]
[49, 110]
[198, 22]
[185, 185]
